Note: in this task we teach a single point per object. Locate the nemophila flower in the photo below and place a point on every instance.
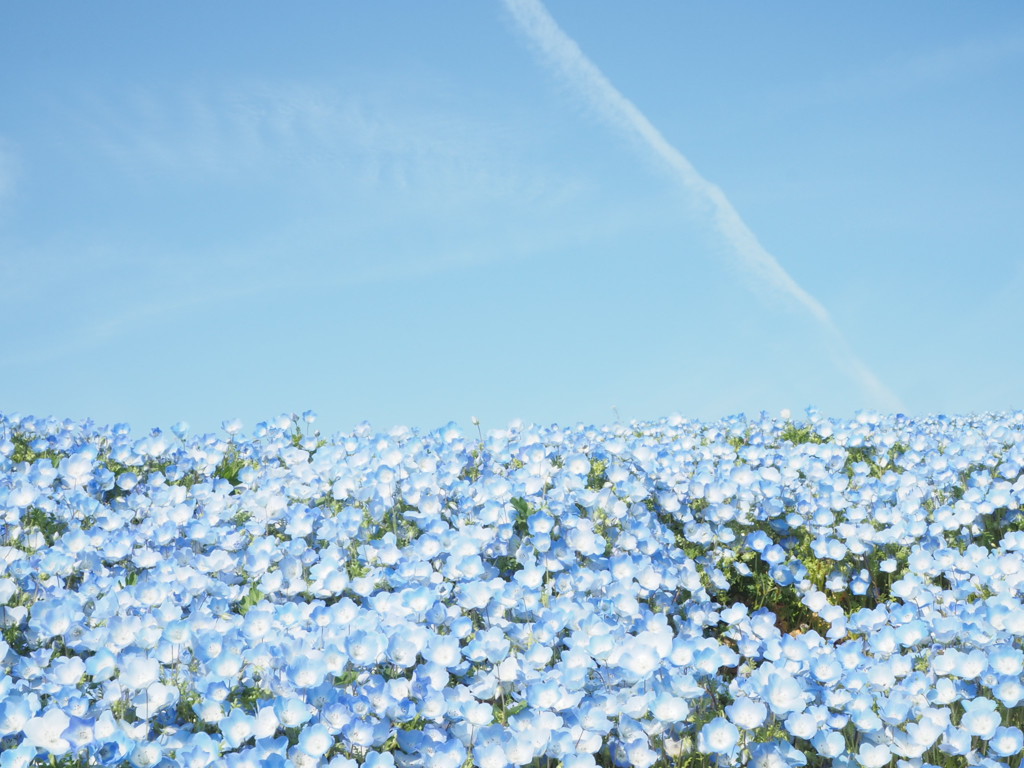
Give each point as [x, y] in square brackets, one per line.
[718, 737]
[66, 671]
[639, 753]
[308, 671]
[138, 672]
[640, 655]
[20, 756]
[861, 582]
[365, 647]
[584, 760]
[477, 714]
[292, 711]
[365, 733]
[200, 751]
[956, 741]
[51, 618]
[152, 699]
[490, 644]
[747, 713]
[491, 756]
[802, 725]
[145, 755]
[969, 665]
[189, 554]
[980, 717]
[227, 664]
[734, 614]
[895, 709]
[670, 709]
[1005, 660]
[1009, 691]
[232, 426]
[873, 755]
[23, 494]
[46, 731]
[775, 754]
[829, 744]
[944, 691]
[784, 694]
[237, 727]
[16, 709]
[315, 740]
[251, 758]
[379, 760]
[826, 668]
[1006, 742]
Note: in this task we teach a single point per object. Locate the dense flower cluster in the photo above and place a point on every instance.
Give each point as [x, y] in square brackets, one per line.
[756, 592]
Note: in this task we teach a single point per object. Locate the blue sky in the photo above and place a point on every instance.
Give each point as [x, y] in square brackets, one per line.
[412, 213]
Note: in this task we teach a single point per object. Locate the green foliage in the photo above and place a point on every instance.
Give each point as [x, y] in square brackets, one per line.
[346, 678]
[471, 471]
[759, 590]
[123, 710]
[357, 568]
[799, 435]
[49, 525]
[598, 475]
[23, 450]
[523, 512]
[507, 566]
[405, 530]
[252, 597]
[188, 700]
[504, 709]
[858, 454]
[603, 527]
[678, 531]
[14, 635]
[298, 438]
[896, 451]
[231, 464]
[248, 697]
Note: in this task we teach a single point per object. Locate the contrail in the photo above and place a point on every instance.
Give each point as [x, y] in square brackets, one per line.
[560, 51]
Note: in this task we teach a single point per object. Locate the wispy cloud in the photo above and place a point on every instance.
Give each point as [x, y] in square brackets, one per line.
[911, 71]
[281, 133]
[560, 52]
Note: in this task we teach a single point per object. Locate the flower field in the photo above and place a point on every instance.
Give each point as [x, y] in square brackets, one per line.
[745, 592]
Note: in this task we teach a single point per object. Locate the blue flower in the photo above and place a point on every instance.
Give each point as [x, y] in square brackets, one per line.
[1006, 742]
[145, 755]
[784, 694]
[237, 727]
[379, 760]
[829, 744]
[873, 755]
[747, 713]
[291, 711]
[980, 717]
[16, 709]
[718, 737]
[51, 618]
[46, 731]
[20, 756]
[315, 740]
[774, 754]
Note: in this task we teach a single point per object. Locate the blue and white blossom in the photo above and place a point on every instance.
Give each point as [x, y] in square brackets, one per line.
[741, 592]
